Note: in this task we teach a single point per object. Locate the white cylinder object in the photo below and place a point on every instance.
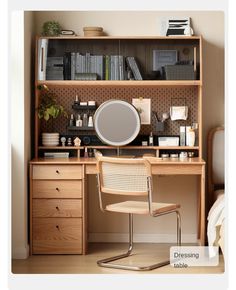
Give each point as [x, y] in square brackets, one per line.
[191, 138]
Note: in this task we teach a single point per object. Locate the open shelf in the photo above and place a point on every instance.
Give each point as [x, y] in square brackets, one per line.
[123, 83]
[123, 147]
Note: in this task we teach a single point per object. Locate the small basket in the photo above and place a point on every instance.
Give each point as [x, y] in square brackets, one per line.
[93, 31]
[179, 72]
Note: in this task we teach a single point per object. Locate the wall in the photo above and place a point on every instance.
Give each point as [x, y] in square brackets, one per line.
[173, 189]
[21, 44]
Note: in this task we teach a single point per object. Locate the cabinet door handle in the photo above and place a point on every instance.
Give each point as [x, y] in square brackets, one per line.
[57, 189]
[57, 207]
[57, 171]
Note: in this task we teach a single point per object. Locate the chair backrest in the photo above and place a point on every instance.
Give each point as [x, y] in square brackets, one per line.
[124, 176]
[216, 160]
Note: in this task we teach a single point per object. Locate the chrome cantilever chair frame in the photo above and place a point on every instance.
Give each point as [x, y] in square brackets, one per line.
[107, 261]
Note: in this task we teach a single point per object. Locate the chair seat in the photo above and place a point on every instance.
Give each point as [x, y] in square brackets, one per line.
[140, 207]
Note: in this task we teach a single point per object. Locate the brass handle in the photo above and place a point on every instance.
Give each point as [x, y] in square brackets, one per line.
[57, 189]
[57, 171]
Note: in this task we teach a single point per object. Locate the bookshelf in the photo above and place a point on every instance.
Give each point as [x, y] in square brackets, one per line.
[159, 90]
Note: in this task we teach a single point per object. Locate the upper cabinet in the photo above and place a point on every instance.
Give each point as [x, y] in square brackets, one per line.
[119, 60]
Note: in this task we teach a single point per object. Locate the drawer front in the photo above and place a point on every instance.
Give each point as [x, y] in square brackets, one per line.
[57, 189]
[57, 172]
[57, 236]
[57, 208]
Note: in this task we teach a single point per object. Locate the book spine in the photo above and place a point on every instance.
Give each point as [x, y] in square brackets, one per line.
[107, 64]
[136, 69]
[72, 56]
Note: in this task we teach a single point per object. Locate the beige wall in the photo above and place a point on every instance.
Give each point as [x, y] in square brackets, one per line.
[21, 138]
[173, 189]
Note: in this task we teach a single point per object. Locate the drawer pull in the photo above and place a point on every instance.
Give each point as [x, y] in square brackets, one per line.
[57, 171]
[57, 207]
[57, 227]
[57, 189]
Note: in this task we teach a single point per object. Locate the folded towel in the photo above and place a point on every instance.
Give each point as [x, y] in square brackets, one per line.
[178, 113]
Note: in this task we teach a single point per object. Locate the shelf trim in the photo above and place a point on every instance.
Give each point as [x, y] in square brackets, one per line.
[132, 37]
[123, 147]
[122, 83]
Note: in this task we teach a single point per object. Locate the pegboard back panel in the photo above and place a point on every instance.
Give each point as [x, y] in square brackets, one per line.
[161, 100]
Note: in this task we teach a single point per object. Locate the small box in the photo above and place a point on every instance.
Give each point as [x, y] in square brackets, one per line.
[168, 141]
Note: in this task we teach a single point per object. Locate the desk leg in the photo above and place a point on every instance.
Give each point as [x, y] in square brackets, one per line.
[85, 197]
[202, 207]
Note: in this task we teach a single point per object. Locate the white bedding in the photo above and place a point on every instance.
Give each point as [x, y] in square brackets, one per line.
[215, 227]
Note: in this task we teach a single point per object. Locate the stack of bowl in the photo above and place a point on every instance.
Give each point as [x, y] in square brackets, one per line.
[50, 139]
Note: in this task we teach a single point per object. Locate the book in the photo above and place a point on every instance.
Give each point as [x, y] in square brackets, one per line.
[73, 64]
[42, 58]
[67, 66]
[131, 62]
[56, 154]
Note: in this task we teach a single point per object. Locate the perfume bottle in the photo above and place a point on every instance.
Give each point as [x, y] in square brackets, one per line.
[85, 120]
[79, 122]
[72, 120]
[151, 139]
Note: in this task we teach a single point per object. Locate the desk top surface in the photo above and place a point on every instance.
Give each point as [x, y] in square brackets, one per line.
[92, 161]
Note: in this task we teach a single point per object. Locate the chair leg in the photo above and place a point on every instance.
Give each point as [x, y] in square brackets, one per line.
[178, 228]
[106, 262]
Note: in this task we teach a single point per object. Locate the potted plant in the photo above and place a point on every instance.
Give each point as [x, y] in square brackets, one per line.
[49, 109]
[51, 28]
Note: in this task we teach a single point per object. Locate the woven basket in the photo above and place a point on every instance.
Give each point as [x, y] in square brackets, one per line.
[179, 72]
[93, 31]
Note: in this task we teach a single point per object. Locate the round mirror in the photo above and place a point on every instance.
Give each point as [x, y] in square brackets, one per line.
[117, 122]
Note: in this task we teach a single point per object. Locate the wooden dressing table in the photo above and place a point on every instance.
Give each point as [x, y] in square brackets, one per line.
[58, 200]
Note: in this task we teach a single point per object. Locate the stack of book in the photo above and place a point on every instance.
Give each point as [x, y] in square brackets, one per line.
[77, 66]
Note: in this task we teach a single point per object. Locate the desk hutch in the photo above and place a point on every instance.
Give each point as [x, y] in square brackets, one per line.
[58, 191]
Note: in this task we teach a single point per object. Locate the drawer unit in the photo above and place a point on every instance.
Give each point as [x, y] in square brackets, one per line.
[57, 188]
[57, 235]
[57, 219]
[57, 171]
[57, 208]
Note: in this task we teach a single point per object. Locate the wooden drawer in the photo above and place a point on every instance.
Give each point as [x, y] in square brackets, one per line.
[57, 171]
[57, 208]
[57, 188]
[57, 236]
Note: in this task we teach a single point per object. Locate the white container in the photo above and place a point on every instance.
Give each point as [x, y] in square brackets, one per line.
[90, 121]
[191, 137]
[182, 136]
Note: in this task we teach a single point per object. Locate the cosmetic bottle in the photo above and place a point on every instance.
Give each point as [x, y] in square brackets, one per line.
[151, 139]
[72, 121]
[79, 122]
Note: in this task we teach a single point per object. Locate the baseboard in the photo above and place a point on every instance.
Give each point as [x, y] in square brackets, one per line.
[20, 252]
[140, 238]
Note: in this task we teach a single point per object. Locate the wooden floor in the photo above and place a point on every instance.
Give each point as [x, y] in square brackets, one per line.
[78, 264]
